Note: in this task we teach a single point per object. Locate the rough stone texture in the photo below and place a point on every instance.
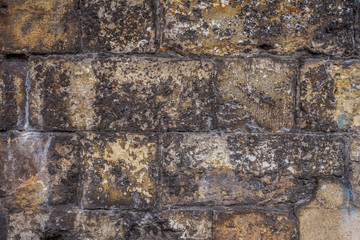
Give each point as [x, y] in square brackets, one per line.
[12, 94]
[40, 169]
[329, 215]
[280, 26]
[254, 225]
[118, 26]
[44, 26]
[256, 94]
[179, 119]
[330, 95]
[121, 94]
[74, 224]
[120, 170]
[355, 149]
[237, 169]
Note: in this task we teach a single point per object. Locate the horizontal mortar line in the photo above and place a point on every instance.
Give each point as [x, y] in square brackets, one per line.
[213, 132]
[285, 207]
[189, 57]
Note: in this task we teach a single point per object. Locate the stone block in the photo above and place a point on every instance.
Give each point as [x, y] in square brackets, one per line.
[118, 26]
[132, 94]
[119, 171]
[38, 26]
[330, 96]
[278, 26]
[256, 94]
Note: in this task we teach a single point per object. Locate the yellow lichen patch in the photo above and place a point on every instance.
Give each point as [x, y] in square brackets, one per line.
[30, 194]
[40, 26]
[123, 166]
[347, 94]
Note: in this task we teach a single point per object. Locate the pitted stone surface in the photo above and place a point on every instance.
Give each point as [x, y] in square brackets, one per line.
[12, 94]
[330, 95]
[279, 26]
[118, 26]
[256, 94]
[237, 169]
[254, 225]
[133, 94]
[120, 171]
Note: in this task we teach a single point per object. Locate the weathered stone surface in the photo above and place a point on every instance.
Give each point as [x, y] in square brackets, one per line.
[42, 224]
[172, 225]
[254, 225]
[330, 95]
[355, 183]
[357, 26]
[188, 224]
[328, 215]
[118, 26]
[41, 169]
[12, 94]
[3, 145]
[355, 149]
[246, 169]
[121, 94]
[38, 26]
[3, 223]
[74, 224]
[280, 26]
[255, 94]
[120, 170]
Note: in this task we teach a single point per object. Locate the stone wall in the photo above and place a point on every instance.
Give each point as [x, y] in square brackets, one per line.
[179, 119]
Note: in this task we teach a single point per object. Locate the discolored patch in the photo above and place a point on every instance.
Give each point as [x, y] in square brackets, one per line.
[329, 215]
[189, 224]
[118, 26]
[120, 170]
[246, 169]
[330, 96]
[112, 93]
[42, 26]
[12, 94]
[256, 94]
[42, 224]
[254, 225]
[36, 174]
[278, 26]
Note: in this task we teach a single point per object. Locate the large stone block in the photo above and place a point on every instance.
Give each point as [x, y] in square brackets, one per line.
[77, 224]
[279, 26]
[329, 215]
[120, 170]
[12, 94]
[111, 93]
[246, 169]
[41, 26]
[118, 26]
[41, 169]
[42, 224]
[330, 95]
[255, 94]
[233, 225]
